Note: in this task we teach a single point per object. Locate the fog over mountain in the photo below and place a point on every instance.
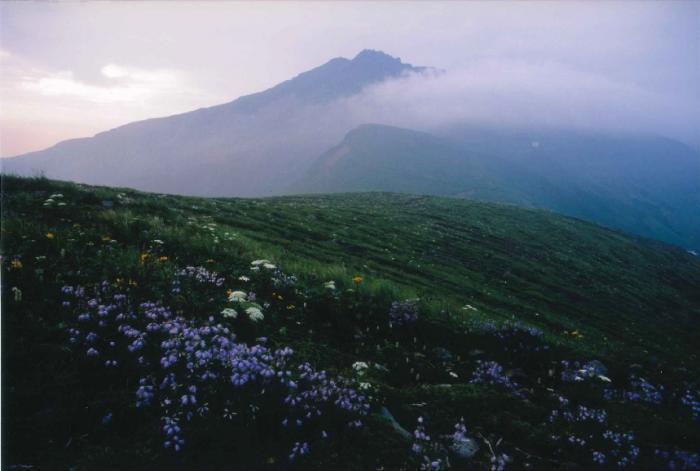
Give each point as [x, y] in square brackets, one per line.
[539, 136]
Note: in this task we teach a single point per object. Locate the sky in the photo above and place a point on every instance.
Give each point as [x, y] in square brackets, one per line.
[74, 69]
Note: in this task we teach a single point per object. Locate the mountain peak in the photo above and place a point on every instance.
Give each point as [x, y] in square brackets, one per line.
[374, 55]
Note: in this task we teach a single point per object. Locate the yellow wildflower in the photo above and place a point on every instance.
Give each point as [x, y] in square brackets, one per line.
[291, 306]
[357, 280]
[211, 260]
[17, 264]
[144, 257]
[163, 258]
[50, 235]
[106, 238]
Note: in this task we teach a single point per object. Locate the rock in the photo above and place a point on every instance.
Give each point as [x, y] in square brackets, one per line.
[464, 449]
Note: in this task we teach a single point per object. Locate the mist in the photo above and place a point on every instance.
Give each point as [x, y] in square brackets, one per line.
[518, 94]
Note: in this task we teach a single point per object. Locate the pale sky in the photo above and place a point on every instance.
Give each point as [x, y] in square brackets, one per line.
[74, 69]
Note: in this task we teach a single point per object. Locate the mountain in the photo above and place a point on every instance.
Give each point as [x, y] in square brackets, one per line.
[268, 143]
[643, 185]
[254, 145]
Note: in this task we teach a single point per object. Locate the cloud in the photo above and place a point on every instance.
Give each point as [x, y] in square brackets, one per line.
[135, 85]
[39, 101]
[518, 93]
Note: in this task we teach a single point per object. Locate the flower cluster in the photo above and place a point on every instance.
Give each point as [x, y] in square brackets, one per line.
[691, 399]
[678, 459]
[624, 450]
[642, 390]
[202, 275]
[490, 372]
[580, 414]
[186, 364]
[55, 199]
[424, 447]
[403, 312]
[577, 372]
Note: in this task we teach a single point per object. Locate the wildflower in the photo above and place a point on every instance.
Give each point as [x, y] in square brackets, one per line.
[291, 307]
[106, 238]
[230, 313]
[329, 285]
[158, 241]
[360, 367]
[254, 314]
[269, 266]
[357, 280]
[237, 296]
[243, 278]
[257, 263]
[144, 256]
[50, 235]
[163, 258]
[16, 264]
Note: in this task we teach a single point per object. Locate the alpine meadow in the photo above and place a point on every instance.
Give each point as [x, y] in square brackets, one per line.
[485, 261]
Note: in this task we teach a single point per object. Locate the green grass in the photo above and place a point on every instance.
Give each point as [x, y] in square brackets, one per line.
[631, 301]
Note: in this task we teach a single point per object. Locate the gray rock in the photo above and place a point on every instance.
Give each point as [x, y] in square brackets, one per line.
[465, 449]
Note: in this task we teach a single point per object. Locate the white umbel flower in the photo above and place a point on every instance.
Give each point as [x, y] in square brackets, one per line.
[254, 314]
[229, 313]
[237, 296]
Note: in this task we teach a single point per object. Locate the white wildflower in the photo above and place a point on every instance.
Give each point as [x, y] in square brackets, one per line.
[158, 241]
[329, 285]
[237, 296]
[228, 312]
[453, 374]
[360, 367]
[257, 263]
[604, 378]
[269, 266]
[243, 278]
[365, 386]
[254, 314]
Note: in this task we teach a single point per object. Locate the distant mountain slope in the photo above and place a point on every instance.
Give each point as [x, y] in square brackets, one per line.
[254, 145]
[647, 186]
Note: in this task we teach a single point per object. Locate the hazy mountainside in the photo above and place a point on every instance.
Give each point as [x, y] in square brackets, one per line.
[125, 333]
[647, 186]
[268, 143]
[255, 145]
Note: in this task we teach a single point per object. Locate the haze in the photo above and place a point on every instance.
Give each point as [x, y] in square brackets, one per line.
[71, 70]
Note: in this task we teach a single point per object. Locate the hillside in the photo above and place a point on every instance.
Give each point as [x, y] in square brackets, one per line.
[222, 150]
[643, 185]
[533, 327]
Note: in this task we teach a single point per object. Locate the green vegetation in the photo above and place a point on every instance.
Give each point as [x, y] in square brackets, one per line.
[593, 293]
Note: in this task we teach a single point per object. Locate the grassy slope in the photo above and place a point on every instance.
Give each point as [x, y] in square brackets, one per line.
[627, 296]
[632, 300]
